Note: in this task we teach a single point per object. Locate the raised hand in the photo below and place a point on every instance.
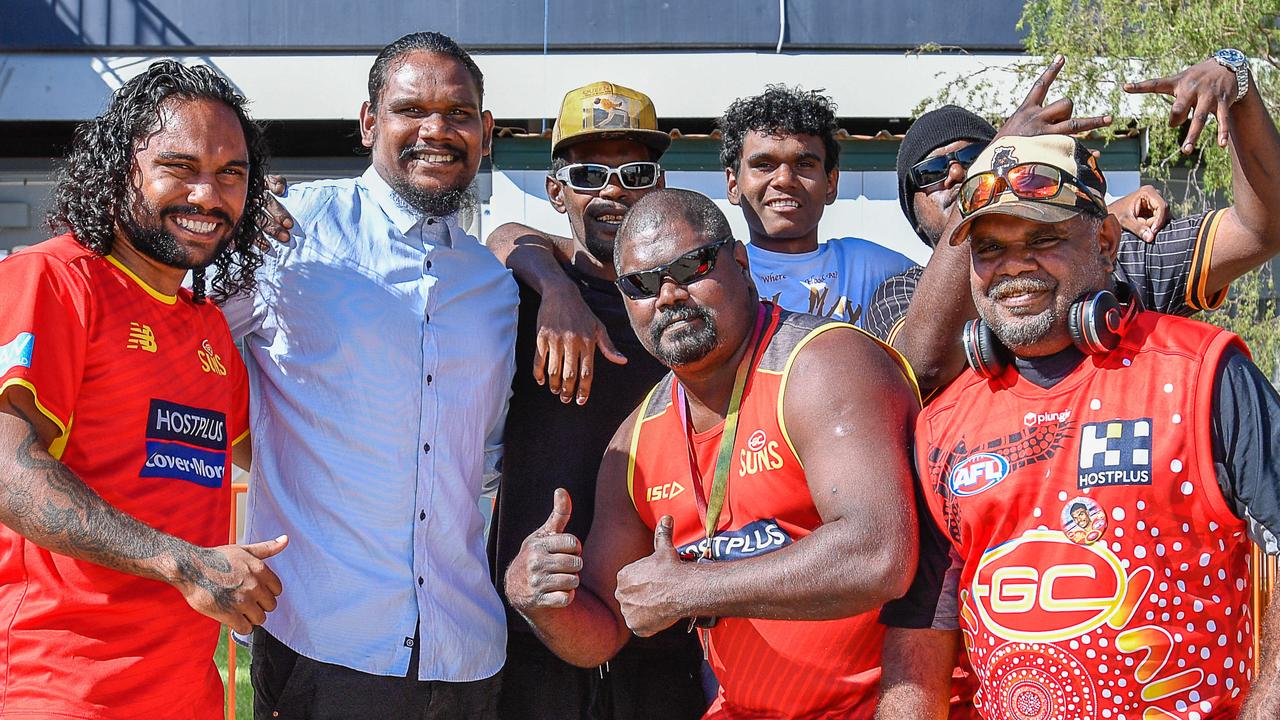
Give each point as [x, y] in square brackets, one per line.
[1033, 117]
[1204, 89]
[568, 336]
[650, 590]
[231, 584]
[544, 574]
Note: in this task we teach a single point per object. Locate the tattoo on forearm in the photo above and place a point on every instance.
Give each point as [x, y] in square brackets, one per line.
[46, 502]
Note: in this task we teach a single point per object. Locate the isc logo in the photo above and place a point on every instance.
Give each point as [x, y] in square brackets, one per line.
[1044, 588]
[663, 492]
[977, 473]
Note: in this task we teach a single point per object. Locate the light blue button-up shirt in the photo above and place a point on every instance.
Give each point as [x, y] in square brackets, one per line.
[380, 353]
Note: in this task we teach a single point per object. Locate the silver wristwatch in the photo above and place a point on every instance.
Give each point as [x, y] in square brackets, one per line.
[1236, 62]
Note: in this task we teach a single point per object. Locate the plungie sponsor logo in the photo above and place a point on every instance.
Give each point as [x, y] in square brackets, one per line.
[1034, 418]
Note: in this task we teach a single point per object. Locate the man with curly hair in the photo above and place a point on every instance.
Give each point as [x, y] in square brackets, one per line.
[121, 398]
[782, 164]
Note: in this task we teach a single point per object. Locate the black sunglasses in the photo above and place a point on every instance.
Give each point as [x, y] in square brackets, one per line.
[931, 171]
[683, 270]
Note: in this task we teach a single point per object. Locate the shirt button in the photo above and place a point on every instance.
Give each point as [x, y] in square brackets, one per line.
[426, 447]
[426, 317]
[429, 378]
[428, 264]
[420, 581]
[422, 515]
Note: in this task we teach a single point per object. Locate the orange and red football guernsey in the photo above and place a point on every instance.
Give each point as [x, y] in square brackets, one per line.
[1104, 574]
[766, 668]
[150, 394]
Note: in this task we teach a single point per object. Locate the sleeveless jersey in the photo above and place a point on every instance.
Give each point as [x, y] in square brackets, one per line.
[766, 668]
[1104, 575]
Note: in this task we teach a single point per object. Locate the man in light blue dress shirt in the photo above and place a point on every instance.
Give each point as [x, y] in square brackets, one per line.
[380, 349]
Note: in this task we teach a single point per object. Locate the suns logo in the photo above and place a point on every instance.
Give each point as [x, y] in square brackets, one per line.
[209, 360]
[760, 455]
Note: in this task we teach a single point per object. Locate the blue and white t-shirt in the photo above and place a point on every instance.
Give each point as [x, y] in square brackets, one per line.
[835, 281]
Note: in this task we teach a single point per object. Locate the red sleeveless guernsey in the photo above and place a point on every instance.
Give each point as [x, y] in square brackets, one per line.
[1105, 576]
[767, 668]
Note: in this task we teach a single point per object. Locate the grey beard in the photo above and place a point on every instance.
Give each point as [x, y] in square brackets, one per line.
[687, 345]
[1025, 331]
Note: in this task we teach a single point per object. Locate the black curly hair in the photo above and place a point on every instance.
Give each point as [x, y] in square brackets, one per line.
[780, 109]
[94, 186]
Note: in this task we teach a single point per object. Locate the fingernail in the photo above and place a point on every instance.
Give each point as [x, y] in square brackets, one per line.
[582, 401]
[1188, 148]
[282, 538]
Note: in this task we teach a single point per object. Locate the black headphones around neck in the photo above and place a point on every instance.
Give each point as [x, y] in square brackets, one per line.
[1096, 321]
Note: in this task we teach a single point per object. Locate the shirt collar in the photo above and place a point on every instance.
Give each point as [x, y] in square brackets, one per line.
[434, 230]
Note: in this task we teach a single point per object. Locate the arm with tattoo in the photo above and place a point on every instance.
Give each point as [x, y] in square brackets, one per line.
[47, 503]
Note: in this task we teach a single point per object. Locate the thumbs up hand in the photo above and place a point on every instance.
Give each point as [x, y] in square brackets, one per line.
[651, 591]
[544, 574]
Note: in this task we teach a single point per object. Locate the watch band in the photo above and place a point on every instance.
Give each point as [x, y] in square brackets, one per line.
[1236, 62]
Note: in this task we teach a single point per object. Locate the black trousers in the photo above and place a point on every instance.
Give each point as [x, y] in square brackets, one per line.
[288, 686]
[641, 683]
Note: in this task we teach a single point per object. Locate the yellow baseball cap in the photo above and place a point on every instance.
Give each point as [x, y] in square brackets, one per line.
[1078, 185]
[605, 110]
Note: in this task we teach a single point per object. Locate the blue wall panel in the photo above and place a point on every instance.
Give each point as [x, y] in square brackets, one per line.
[293, 25]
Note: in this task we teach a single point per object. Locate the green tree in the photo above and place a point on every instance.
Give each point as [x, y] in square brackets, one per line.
[1109, 42]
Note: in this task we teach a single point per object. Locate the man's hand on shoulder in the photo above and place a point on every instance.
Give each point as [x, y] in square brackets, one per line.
[568, 336]
[1143, 212]
[274, 221]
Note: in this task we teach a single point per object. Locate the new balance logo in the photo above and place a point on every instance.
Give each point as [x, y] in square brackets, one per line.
[1116, 452]
[141, 338]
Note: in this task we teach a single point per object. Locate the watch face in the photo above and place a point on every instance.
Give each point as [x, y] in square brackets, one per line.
[1231, 56]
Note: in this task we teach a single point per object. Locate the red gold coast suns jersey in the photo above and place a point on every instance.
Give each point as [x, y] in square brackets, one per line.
[1104, 574]
[149, 394]
[766, 668]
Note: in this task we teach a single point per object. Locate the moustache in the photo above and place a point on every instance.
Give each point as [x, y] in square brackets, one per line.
[193, 210]
[1018, 286]
[412, 150]
[673, 315]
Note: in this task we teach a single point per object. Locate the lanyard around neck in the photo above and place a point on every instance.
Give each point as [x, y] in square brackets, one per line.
[709, 507]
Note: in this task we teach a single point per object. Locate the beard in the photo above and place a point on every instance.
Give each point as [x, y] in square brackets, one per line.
[600, 248]
[431, 203]
[144, 226]
[686, 345]
[1017, 328]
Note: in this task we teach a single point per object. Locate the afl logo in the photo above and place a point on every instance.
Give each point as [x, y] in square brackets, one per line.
[755, 443]
[977, 473]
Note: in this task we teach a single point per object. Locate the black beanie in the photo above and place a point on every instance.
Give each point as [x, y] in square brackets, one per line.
[929, 132]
